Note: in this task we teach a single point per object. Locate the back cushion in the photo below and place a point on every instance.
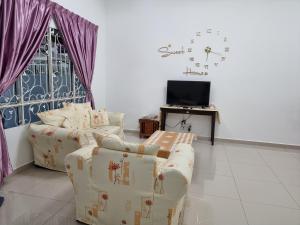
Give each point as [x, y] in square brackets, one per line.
[114, 142]
[99, 118]
[78, 106]
[80, 118]
[54, 117]
[116, 172]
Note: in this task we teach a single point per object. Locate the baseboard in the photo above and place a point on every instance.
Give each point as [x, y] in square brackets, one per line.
[131, 131]
[237, 141]
[259, 143]
[22, 168]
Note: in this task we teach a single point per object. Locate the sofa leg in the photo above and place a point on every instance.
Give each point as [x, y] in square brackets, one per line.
[80, 222]
[1, 200]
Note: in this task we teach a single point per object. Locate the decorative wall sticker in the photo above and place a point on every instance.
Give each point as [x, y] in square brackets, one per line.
[206, 50]
[167, 51]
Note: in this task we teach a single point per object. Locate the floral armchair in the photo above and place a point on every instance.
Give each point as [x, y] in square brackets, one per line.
[125, 183]
[51, 142]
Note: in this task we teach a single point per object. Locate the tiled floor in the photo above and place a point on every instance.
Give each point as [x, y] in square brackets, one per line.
[233, 184]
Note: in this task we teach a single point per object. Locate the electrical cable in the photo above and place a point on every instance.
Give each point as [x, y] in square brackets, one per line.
[183, 119]
[174, 125]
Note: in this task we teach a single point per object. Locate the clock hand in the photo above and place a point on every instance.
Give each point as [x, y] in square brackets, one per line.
[216, 53]
[207, 50]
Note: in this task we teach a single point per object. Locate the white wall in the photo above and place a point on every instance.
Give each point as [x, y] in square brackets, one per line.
[94, 10]
[256, 90]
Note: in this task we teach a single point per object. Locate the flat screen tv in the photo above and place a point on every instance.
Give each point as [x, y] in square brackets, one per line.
[188, 93]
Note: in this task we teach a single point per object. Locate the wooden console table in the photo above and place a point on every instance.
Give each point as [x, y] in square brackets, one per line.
[209, 111]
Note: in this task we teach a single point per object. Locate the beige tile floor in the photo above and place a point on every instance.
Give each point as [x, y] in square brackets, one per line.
[233, 184]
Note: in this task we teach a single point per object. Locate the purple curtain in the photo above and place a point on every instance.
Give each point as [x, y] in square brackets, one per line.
[80, 38]
[23, 24]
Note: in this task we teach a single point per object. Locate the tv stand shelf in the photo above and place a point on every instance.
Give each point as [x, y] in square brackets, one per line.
[208, 111]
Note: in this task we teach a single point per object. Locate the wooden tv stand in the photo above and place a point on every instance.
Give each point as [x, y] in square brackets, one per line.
[209, 111]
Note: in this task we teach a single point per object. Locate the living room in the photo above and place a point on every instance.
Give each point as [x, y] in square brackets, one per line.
[249, 53]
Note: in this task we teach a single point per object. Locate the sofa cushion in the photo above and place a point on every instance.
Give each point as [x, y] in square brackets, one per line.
[80, 117]
[105, 130]
[78, 106]
[71, 122]
[99, 118]
[54, 117]
[114, 142]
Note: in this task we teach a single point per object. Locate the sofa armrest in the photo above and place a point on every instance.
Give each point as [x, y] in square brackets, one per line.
[116, 119]
[79, 170]
[85, 153]
[48, 133]
[51, 144]
[175, 174]
[79, 159]
[78, 167]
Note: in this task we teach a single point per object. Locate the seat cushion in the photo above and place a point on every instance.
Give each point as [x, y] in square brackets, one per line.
[114, 142]
[105, 129]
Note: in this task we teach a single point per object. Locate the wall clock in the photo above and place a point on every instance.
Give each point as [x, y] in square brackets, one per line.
[205, 51]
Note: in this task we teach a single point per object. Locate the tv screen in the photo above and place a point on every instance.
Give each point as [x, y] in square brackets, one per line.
[188, 93]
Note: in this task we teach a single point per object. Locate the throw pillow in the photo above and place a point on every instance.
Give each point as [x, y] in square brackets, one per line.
[54, 117]
[99, 118]
[114, 142]
[81, 118]
[78, 106]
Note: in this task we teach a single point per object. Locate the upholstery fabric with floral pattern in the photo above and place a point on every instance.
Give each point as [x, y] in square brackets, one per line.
[127, 186]
[52, 143]
[99, 118]
[54, 117]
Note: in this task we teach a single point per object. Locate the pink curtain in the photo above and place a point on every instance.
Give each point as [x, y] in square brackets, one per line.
[23, 24]
[80, 38]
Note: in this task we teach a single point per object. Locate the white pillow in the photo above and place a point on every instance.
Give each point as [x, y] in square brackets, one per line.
[54, 117]
[99, 118]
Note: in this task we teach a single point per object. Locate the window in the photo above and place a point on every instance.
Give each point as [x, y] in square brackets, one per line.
[48, 81]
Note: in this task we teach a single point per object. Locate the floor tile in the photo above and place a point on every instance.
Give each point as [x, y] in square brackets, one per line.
[65, 216]
[209, 155]
[271, 154]
[27, 179]
[295, 192]
[222, 174]
[218, 186]
[284, 163]
[211, 169]
[133, 137]
[211, 210]
[253, 172]
[265, 192]
[19, 209]
[41, 182]
[287, 176]
[58, 187]
[271, 215]
[237, 153]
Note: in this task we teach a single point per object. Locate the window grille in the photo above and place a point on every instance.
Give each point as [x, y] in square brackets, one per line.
[48, 81]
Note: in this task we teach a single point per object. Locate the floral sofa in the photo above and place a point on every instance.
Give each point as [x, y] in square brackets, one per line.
[119, 183]
[68, 129]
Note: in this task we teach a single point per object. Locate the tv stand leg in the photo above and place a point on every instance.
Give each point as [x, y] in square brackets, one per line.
[213, 121]
[163, 120]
